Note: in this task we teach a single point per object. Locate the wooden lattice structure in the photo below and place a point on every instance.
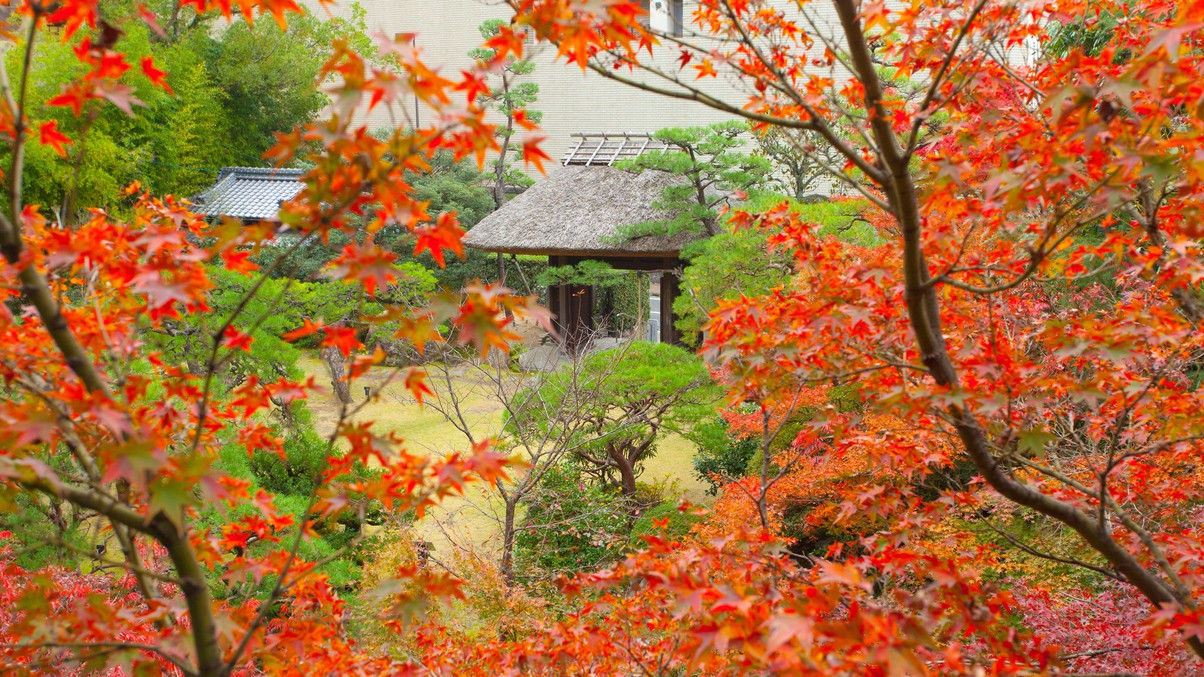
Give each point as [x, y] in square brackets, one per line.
[596, 149]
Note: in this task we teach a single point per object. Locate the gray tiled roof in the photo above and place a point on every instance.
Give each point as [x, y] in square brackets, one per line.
[251, 193]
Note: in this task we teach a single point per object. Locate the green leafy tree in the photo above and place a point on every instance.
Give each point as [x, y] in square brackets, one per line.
[449, 186]
[266, 75]
[280, 306]
[720, 456]
[713, 168]
[738, 263]
[511, 97]
[224, 96]
[588, 272]
[630, 398]
[801, 161]
[570, 525]
[1090, 34]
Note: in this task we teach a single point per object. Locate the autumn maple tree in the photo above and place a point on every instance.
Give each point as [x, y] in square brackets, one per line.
[1037, 301]
[1022, 348]
[95, 419]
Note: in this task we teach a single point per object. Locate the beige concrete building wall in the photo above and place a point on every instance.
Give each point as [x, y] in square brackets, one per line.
[570, 100]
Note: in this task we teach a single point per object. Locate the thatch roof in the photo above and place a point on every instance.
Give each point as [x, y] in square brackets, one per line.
[580, 211]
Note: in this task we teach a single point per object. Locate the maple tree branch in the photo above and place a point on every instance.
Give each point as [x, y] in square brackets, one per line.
[37, 290]
[1101, 652]
[690, 93]
[828, 169]
[104, 648]
[191, 580]
[265, 606]
[1177, 585]
[922, 113]
[1001, 61]
[1017, 543]
[455, 413]
[768, 435]
[1189, 303]
[12, 245]
[820, 126]
[51, 314]
[17, 107]
[203, 406]
[697, 95]
[66, 425]
[99, 559]
[1045, 247]
[88, 463]
[1120, 422]
[254, 326]
[1157, 447]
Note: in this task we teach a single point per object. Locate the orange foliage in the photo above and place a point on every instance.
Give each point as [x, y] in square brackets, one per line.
[979, 333]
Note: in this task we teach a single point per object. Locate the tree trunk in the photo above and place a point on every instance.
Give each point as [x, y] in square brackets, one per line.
[766, 454]
[626, 476]
[286, 412]
[338, 373]
[508, 529]
[499, 167]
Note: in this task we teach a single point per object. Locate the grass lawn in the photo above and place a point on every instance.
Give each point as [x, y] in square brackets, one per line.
[472, 519]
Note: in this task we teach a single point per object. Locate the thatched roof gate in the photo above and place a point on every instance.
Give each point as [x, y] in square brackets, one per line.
[579, 212]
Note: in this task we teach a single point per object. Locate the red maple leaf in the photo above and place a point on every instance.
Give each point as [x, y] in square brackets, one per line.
[158, 77]
[533, 154]
[239, 261]
[49, 135]
[342, 338]
[73, 97]
[444, 234]
[416, 383]
[237, 340]
[310, 327]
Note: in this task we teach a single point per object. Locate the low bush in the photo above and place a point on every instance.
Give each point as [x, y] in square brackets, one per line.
[720, 458]
[570, 525]
[305, 460]
[663, 521]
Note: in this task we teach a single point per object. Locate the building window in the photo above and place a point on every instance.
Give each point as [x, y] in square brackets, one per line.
[665, 16]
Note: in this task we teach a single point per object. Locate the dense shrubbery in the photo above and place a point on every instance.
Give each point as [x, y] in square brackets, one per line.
[665, 520]
[299, 472]
[571, 524]
[720, 457]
